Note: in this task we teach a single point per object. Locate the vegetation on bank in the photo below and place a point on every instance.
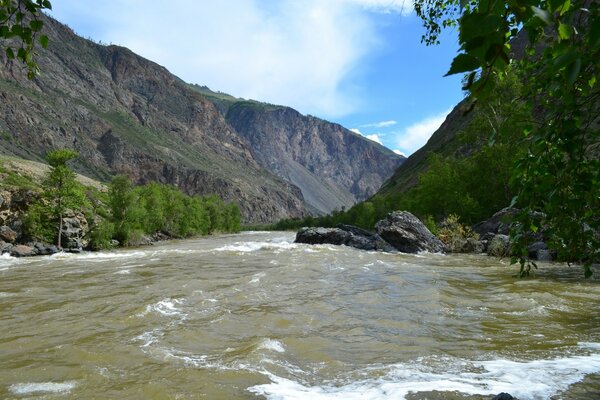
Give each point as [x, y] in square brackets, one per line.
[125, 213]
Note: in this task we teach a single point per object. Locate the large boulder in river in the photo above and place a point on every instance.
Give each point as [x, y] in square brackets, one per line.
[408, 234]
[497, 223]
[347, 235]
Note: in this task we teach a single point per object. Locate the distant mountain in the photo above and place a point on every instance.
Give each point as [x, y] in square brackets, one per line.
[443, 142]
[333, 166]
[126, 114]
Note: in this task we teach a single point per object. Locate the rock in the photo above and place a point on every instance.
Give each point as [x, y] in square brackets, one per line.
[73, 232]
[5, 247]
[7, 234]
[408, 234]
[44, 249]
[540, 251]
[498, 223]
[503, 396]
[472, 245]
[22, 250]
[343, 235]
[499, 246]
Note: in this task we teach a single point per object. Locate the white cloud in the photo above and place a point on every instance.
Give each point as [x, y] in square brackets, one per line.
[399, 153]
[381, 124]
[374, 137]
[301, 54]
[356, 130]
[416, 135]
[403, 7]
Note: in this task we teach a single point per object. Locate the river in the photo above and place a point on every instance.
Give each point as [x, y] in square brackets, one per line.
[255, 316]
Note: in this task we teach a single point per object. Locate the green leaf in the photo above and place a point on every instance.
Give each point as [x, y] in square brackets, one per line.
[10, 53]
[44, 41]
[463, 63]
[564, 31]
[36, 25]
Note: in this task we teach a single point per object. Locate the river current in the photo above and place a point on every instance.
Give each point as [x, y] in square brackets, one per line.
[255, 316]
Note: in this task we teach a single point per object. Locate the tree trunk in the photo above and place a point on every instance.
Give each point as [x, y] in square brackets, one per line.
[60, 225]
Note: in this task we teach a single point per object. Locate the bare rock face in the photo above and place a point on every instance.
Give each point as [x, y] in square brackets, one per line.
[408, 234]
[333, 166]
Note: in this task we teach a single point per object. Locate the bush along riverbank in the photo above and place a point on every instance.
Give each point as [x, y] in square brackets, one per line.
[402, 231]
[61, 214]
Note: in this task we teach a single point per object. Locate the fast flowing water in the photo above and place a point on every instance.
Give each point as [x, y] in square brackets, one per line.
[255, 316]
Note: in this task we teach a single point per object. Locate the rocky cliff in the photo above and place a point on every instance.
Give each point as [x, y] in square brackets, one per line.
[333, 166]
[125, 114]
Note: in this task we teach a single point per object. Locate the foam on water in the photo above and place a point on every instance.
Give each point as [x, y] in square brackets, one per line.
[272, 345]
[528, 380]
[166, 307]
[249, 247]
[41, 387]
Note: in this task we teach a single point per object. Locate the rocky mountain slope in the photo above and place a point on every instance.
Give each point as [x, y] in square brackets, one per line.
[443, 141]
[333, 166]
[125, 114]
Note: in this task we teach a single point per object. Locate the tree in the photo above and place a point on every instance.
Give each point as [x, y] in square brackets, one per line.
[558, 180]
[61, 188]
[20, 25]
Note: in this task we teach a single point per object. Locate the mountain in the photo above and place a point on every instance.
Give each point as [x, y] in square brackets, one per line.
[125, 114]
[443, 142]
[333, 166]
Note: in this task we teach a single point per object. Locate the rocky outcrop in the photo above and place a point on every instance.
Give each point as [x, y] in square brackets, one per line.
[74, 230]
[499, 246]
[408, 234]
[343, 235]
[333, 166]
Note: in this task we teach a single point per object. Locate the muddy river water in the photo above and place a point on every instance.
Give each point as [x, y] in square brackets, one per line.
[255, 316]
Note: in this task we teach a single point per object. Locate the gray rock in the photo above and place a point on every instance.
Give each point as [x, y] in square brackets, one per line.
[22, 250]
[497, 223]
[343, 235]
[408, 234]
[44, 249]
[7, 234]
[74, 230]
[499, 246]
[472, 245]
[5, 247]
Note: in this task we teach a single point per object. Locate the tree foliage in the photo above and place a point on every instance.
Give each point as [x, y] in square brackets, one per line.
[557, 181]
[135, 211]
[60, 189]
[20, 25]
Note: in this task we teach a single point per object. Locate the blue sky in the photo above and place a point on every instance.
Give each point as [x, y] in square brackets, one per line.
[356, 62]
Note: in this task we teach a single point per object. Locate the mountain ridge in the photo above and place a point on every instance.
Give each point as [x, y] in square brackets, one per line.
[126, 114]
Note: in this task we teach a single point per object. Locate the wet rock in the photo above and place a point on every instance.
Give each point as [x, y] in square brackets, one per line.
[7, 234]
[5, 247]
[503, 396]
[347, 235]
[44, 249]
[408, 234]
[499, 246]
[22, 250]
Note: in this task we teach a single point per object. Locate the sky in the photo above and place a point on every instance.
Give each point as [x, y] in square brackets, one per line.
[359, 63]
